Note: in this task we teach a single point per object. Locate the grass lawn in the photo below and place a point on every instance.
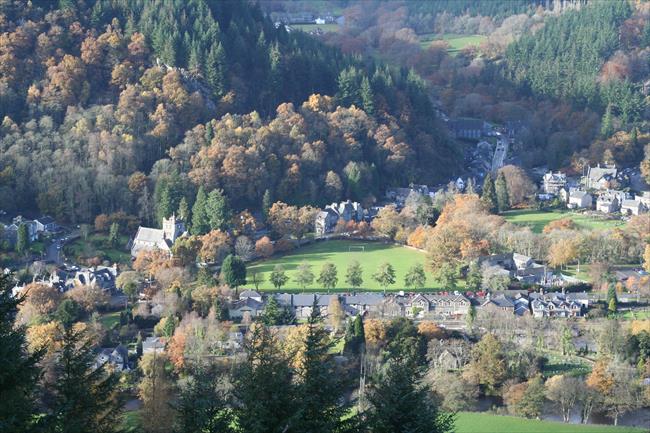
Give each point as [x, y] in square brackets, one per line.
[333, 28]
[456, 42]
[474, 422]
[37, 247]
[131, 421]
[572, 366]
[338, 252]
[537, 219]
[634, 315]
[96, 245]
[110, 319]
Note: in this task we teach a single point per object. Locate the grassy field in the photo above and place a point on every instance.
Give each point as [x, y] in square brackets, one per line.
[331, 28]
[110, 319]
[338, 252]
[572, 366]
[536, 219]
[473, 422]
[97, 246]
[456, 42]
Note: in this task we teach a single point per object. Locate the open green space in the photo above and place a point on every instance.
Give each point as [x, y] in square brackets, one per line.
[342, 253]
[475, 422]
[332, 27]
[131, 421]
[569, 365]
[109, 320]
[97, 245]
[537, 219]
[456, 42]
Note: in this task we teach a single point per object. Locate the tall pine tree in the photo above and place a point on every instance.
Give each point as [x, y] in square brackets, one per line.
[489, 195]
[19, 372]
[85, 397]
[503, 198]
[400, 403]
[263, 390]
[319, 384]
[200, 222]
[218, 210]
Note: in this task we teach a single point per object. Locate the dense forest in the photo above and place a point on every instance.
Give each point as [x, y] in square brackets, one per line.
[94, 93]
[571, 78]
[564, 59]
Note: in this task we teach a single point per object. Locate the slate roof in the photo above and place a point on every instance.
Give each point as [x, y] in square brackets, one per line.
[151, 236]
[249, 294]
[364, 299]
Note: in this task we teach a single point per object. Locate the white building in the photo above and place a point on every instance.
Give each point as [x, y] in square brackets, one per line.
[554, 182]
[580, 199]
[148, 239]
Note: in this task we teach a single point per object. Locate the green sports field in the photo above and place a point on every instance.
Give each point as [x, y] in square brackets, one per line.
[474, 422]
[341, 254]
[536, 219]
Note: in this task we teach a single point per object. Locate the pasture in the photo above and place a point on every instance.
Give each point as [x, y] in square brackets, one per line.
[456, 42]
[538, 219]
[342, 253]
[475, 422]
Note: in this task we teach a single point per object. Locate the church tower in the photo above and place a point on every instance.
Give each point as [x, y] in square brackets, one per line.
[172, 228]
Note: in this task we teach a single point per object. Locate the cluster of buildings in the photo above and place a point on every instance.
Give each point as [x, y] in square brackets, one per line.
[288, 18]
[36, 227]
[441, 306]
[520, 267]
[596, 190]
[64, 278]
[332, 214]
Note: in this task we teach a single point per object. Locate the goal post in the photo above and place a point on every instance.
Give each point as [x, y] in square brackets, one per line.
[357, 248]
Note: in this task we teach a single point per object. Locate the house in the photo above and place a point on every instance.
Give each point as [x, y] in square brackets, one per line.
[65, 278]
[500, 303]
[554, 182]
[610, 201]
[600, 177]
[468, 128]
[32, 233]
[518, 266]
[579, 199]
[45, 224]
[364, 302]
[644, 199]
[325, 221]
[148, 239]
[247, 306]
[522, 305]
[632, 207]
[252, 294]
[452, 305]
[153, 345]
[556, 306]
[117, 358]
[346, 211]
[302, 303]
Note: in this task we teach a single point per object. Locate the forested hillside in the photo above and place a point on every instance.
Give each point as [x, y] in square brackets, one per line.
[95, 93]
[564, 59]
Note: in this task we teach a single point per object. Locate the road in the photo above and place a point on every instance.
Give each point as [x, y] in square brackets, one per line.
[500, 154]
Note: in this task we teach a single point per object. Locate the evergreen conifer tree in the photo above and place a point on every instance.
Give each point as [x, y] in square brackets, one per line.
[85, 397]
[489, 195]
[319, 383]
[503, 198]
[200, 221]
[263, 389]
[19, 372]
